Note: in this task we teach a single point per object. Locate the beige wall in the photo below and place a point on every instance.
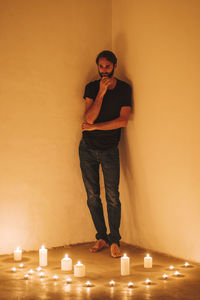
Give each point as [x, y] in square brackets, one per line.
[47, 54]
[158, 46]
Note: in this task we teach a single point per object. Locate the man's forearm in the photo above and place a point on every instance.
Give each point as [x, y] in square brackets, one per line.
[110, 125]
[93, 111]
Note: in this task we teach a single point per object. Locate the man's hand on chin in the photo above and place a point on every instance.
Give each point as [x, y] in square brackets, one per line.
[88, 127]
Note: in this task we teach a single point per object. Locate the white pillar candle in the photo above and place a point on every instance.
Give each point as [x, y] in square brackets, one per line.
[125, 265]
[43, 256]
[66, 263]
[18, 254]
[148, 261]
[79, 270]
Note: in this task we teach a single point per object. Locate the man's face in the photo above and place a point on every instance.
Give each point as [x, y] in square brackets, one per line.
[105, 67]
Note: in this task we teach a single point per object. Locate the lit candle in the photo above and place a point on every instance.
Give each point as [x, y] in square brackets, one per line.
[125, 265]
[79, 270]
[55, 277]
[41, 274]
[130, 284]
[112, 283]
[68, 280]
[147, 281]
[186, 264]
[13, 269]
[88, 284]
[148, 261]
[171, 267]
[21, 265]
[26, 276]
[66, 263]
[164, 276]
[39, 269]
[177, 273]
[30, 272]
[43, 257]
[18, 254]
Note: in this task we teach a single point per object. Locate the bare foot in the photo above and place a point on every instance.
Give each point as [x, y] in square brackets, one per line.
[99, 245]
[115, 251]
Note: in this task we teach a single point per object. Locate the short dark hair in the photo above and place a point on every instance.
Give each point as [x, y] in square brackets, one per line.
[110, 56]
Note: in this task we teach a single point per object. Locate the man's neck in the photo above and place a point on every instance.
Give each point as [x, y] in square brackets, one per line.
[113, 84]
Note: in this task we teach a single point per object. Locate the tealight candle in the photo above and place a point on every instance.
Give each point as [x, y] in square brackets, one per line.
[112, 283]
[186, 264]
[41, 274]
[55, 277]
[26, 276]
[125, 265]
[177, 273]
[66, 263]
[171, 267]
[148, 261]
[30, 272]
[21, 265]
[43, 257]
[88, 284]
[13, 269]
[68, 280]
[147, 281]
[130, 284]
[18, 254]
[164, 276]
[79, 270]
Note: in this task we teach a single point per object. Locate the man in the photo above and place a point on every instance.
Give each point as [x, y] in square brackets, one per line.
[107, 110]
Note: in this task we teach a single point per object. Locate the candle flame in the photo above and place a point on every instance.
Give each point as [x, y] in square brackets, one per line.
[130, 284]
[112, 282]
[176, 273]
[147, 281]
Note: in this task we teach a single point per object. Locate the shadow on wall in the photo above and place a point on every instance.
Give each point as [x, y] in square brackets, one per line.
[129, 208]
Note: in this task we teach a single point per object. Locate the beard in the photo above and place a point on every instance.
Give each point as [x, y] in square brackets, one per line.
[109, 75]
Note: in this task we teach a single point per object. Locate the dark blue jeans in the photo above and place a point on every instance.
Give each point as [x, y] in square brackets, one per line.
[109, 159]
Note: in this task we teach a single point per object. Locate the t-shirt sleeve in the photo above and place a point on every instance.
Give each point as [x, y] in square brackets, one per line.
[127, 97]
[89, 91]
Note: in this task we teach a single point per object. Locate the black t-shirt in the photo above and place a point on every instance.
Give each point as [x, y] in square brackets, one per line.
[113, 100]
